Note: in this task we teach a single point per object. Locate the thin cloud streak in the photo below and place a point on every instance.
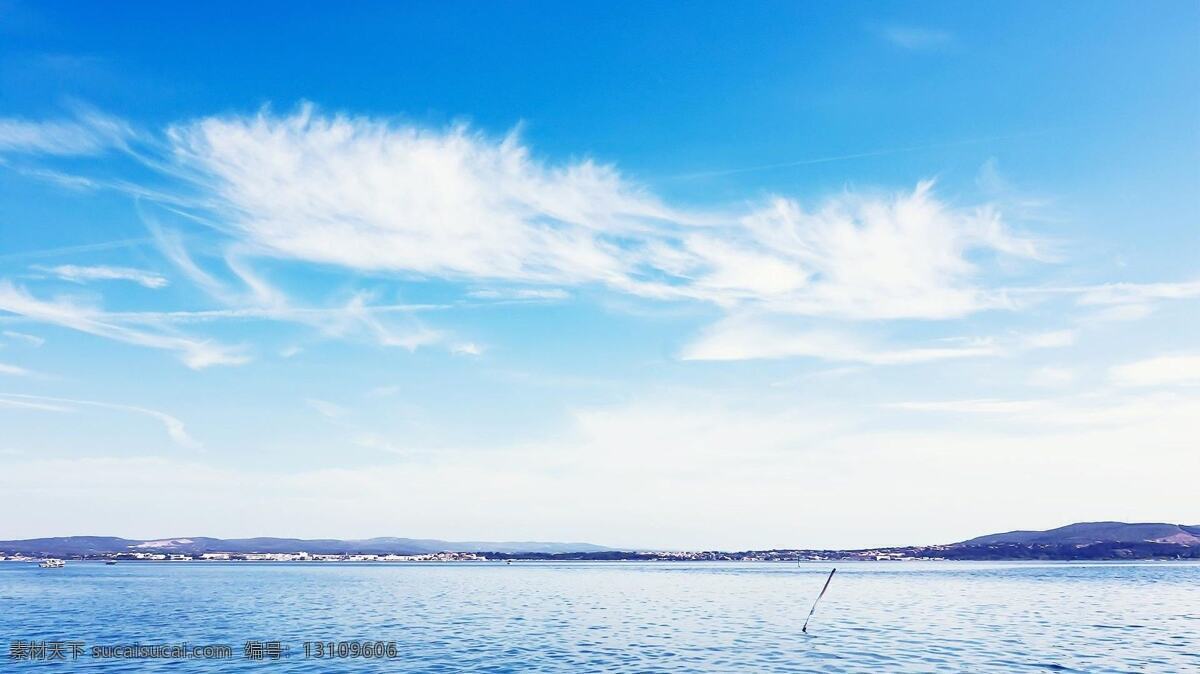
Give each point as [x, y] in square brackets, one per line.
[173, 426]
[89, 133]
[195, 353]
[14, 370]
[752, 339]
[72, 250]
[254, 298]
[84, 274]
[30, 340]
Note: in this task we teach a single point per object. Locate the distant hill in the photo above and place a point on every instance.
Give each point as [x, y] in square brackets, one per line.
[96, 545]
[1089, 533]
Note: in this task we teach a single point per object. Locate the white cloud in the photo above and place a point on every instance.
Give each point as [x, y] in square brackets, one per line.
[1174, 369]
[371, 194]
[375, 195]
[898, 257]
[88, 133]
[380, 196]
[172, 425]
[195, 353]
[398, 201]
[82, 274]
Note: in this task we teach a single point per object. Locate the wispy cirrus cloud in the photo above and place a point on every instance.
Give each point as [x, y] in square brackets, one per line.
[195, 353]
[1136, 293]
[1117, 301]
[172, 425]
[71, 250]
[757, 337]
[374, 195]
[21, 404]
[30, 340]
[520, 294]
[85, 273]
[876, 256]
[14, 370]
[249, 295]
[87, 133]
[381, 197]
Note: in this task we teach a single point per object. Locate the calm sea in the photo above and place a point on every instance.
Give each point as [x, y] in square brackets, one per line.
[636, 617]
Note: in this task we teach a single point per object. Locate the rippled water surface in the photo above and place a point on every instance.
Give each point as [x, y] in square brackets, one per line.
[669, 617]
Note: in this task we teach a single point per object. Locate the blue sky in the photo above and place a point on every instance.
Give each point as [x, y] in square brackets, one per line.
[686, 275]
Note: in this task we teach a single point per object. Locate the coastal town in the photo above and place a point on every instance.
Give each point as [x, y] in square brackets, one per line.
[259, 557]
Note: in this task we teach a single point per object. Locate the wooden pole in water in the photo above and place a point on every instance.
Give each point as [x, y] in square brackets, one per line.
[814, 608]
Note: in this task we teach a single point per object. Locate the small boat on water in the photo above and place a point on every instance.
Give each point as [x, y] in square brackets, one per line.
[110, 563]
[52, 564]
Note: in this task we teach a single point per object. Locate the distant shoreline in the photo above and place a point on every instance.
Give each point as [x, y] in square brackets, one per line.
[978, 553]
[820, 564]
[1082, 541]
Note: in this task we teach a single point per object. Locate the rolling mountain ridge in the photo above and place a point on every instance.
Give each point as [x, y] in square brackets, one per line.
[1087, 533]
